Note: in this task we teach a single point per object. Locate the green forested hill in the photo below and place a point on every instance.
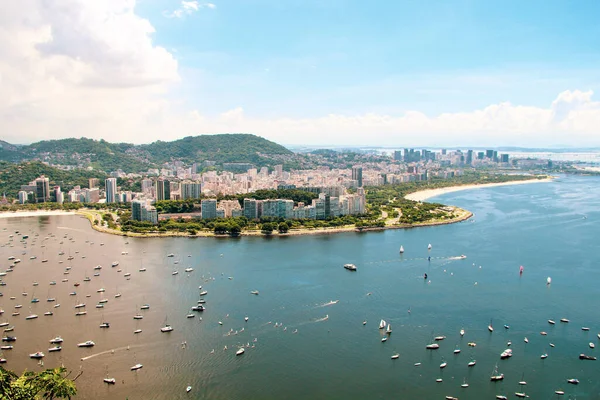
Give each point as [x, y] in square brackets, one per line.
[105, 156]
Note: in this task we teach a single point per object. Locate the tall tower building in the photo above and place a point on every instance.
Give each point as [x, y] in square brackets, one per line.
[357, 175]
[110, 186]
[163, 190]
[42, 189]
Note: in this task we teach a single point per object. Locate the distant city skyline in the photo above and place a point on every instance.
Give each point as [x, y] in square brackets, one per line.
[386, 73]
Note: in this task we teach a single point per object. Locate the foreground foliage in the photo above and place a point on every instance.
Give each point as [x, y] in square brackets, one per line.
[49, 384]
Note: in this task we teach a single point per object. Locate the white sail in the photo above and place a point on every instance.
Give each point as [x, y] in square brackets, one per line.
[382, 324]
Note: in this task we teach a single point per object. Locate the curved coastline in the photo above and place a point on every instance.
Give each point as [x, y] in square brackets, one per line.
[422, 195]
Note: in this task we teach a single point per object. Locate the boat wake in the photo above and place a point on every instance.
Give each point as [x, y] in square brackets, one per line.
[329, 303]
[107, 352]
[71, 229]
[325, 318]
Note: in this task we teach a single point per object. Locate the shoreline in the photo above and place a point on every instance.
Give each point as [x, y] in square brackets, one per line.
[462, 215]
[423, 195]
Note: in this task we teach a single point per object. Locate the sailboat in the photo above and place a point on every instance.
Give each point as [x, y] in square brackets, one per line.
[490, 327]
[495, 375]
[167, 327]
[429, 246]
[388, 329]
[382, 324]
[110, 381]
[401, 249]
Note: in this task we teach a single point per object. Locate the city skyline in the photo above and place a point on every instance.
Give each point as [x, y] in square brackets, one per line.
[302, 73]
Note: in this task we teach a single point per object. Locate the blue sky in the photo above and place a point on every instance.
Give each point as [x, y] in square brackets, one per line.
[343, 72]
[306, 58]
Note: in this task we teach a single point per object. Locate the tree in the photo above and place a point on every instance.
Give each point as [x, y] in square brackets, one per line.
[284, 227]
[235, 230]
[220, 228]
[49, 384]
[267, 228]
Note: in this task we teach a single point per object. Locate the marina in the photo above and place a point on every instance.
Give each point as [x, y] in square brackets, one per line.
[235, 347]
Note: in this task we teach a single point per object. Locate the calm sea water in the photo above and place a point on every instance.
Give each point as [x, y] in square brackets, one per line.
[305, 336]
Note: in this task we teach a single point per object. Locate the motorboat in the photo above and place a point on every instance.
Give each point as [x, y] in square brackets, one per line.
[6, 347]
[585, 328]
[586, 357]
[137, 331]
[573, 381]
[88, 343]
[566, 321]
[464, 385]
[204, 293]
[143, 269]
[145, 307]
[551, 322]
[136, 367]
[48, 314]
[114, 264]
[56, 340]
[526, 340]
[31, 316]
[38, 355]
[395, 356]
[190, 269]
[117, 295]
[170, 255]
[55, 348]
[254, 292]
[560, 392]
[544, 356]
[103, 301]
[462, 332]
[443, 365]
[138, 316]
[190, 316]
[506, 354]
[438, 338]
[240, 351]
[350, 267]
[429, 246]
[199, 307]
[432, 346]
[471, 363]
[166, 328]
[520, 394]
[501, 397]
[101, 290]
[188, 389]
[80, 305]
[110, 381]
[174, 272]
[384, 339]
[9, 339]
[105, 325]
[99, 305]
[592, 345]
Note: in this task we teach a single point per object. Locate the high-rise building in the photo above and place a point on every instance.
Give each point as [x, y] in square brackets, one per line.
[357, 175]
[93, 183]
[504, 158]
[250, 210]
[489, 154]
[480, 155]
[136, 209]
[398, 155]
[209, 209]
[163, 189]
[42, 189]
[191, 190]
[469, 160]
[147, 185]
[22, 197]
[279, 170]
[110, 187]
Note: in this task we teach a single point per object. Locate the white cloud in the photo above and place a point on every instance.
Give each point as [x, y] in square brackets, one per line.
[188, 8]
[90, 68]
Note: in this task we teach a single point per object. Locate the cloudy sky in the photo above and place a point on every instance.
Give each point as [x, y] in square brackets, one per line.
[344, 72]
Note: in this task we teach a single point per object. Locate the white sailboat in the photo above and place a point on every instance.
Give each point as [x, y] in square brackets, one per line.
[382, 324]
[388, 329]
[167, 327]
[401, 249]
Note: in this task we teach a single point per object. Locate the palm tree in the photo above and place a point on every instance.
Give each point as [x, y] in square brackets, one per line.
[54, 384]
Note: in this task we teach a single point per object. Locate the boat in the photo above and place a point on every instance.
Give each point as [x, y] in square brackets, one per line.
[55, 348]
[190, 316]
[585, 328]
[31, 316]
[573, 381]
[432, 346]
[586, 357]
[438, 380]
[79, 313]
[520, 394]
[174, 272]
[551, 322]
[9, 339]
[188, 389]
[592, 345]
[506, 326]
[105, 325]
[143, 269]
[429, 246]
[464, 384]
[80, 305]
[240, 351]
[388, 329]
[166, 328]
[526, 340]
[114, 264]
[137, 331]
[9, 329]
[48, 314]
[117, 295]
[6, 347]
[506, 354]
[88, 343]
[350, 267]
[438, 338]
[395, 356]
[401, 249]
[566, 321]
[136, 367]
[99, 305]
[501, 397]
[490, 327]
[145, 307]
[110, 381]
[189, 269]
[544, 356]
[38, 355]
[170, 255]
[384, 339]
[462, 257]
[382, 324]
[471, 363]
[254, 292]
[204, 293]
[138, 316]
[97, 267]
[56, 340]
[548, 280]
[199, 307]
[462, 332]
[443, 365]
[456, 350]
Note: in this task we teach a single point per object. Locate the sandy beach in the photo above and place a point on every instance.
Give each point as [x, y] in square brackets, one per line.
[41, 213]
[427, 194]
